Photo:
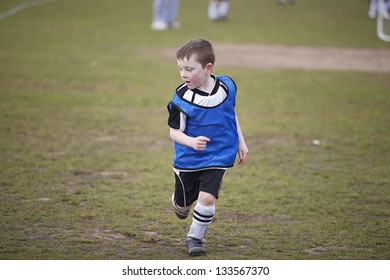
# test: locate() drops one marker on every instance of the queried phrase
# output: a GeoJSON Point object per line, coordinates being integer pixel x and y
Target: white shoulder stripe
{"type": "Point", "coordinates": [212, 100]}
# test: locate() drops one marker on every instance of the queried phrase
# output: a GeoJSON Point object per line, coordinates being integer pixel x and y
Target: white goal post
{"type": "Point", "coordinates": [383, 20]}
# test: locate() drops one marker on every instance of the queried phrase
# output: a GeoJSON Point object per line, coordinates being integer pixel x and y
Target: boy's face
{"type": "Point", "coordinates": [192, 73]}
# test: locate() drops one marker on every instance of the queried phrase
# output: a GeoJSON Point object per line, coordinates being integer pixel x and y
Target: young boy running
{"type": "Point", "coordinates": [207, 137]}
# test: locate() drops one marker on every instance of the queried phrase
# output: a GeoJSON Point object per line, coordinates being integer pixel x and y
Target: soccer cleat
{"type": "Point", "coordinates": [179, 213]}
{"type": "Point", "coordinates": [195, 247]}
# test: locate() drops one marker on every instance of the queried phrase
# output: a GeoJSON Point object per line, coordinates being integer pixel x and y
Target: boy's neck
{"type": "Point", "coordinates": [208, 86]}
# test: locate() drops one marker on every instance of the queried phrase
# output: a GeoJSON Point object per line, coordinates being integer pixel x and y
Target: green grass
{"type": "Point", "coordinates": [85, 157]}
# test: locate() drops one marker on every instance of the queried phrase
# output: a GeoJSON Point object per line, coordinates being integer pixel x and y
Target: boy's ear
{"type": "Point", "coordinates": [209, 68]}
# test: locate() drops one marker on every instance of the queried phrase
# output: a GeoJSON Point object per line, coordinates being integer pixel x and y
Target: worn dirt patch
{"type": "Point", "coordinates": [320, 250]}
{"type": "Point", "coordinates": [101, 174]}
{"type": "Point", "coordinates": [259, 56]}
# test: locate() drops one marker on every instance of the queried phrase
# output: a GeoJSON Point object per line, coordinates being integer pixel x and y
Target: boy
{"type": "Point", "coordinates": [207, 136]}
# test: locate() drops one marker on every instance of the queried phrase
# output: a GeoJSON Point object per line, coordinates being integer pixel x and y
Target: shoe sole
{"type": "Point", "coordinates": [181, 216]}
{"type": "Point", "coordinates": [196, 253]}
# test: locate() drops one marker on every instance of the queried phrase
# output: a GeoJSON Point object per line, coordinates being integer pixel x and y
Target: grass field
{"type": "Point", "coordinates": [85, 157]}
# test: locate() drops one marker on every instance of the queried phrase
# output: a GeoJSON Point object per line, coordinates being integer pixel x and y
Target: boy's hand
{"type": "Point", "coordinates": [200, 143]}
{"type": "Point", "coordinates": [242, 152]}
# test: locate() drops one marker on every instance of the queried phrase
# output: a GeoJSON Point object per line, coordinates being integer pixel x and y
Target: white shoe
{"type": "Point", "coordinates": [159, 25]}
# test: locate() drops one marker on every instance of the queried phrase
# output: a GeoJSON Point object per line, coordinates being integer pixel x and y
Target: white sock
{"type": "Point", "coordinates": [201, 219]}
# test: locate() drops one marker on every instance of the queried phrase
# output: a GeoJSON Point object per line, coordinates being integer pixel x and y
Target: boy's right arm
{"type": "Point", "coordinates": [197, 143]}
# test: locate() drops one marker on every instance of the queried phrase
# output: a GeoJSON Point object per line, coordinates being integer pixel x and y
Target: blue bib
{"type": "Point", "coordinates": [217, 123]}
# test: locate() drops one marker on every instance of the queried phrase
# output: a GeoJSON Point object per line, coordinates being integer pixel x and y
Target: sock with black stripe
{"type": "Point", "coordinates": [201, 219]}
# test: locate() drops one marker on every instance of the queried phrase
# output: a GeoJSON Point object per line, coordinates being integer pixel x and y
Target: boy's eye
{"type": "Point", "coordinates": [186, 69]}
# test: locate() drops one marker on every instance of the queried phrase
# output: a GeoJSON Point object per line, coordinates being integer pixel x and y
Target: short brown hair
{"type": "Point", "coordinates": [201, 48]}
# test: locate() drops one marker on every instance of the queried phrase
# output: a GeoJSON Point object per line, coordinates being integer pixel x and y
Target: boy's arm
{"type": "Point", "coordinates": [197, 143]}
{"type": "Point", "coordinates": [242, 148]}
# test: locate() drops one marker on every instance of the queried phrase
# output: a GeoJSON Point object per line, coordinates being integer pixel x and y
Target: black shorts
{"type": "Point", "coordinates": [188, 184]}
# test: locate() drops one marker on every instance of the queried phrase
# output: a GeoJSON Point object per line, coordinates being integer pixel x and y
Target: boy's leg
{"type": "Point", "coordinates": [203, 214]}
{"type": "Point", "coordinates": [181, 212]}
{"type": "Point", "coordinates": [204, 210]}
{"type": "Point", "coordinates": [186, 192]}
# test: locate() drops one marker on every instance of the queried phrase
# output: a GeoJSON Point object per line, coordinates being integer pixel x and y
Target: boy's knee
{"type": "Point", "coordinates": [206, 199]}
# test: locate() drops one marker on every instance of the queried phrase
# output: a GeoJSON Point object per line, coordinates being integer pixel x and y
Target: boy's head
{"type": "Point", "coordinates": [201, 49]}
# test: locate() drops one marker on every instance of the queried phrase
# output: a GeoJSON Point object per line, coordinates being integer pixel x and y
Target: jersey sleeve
{"type": "Point", "coordinates": [174, 116]}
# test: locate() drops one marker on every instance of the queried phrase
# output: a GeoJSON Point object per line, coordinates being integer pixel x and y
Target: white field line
{"type": "Point", "coordinates": [23, 6]}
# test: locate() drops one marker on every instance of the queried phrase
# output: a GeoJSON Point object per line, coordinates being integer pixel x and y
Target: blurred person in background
{"type": "Point", "coordinates": [164, 14]}
{"type": "Point", "coordinates": [382, 6]}
{"type": "Point", "coordinates": [218, 9]}
{"type": "Point", "coordinates": [373, 8]}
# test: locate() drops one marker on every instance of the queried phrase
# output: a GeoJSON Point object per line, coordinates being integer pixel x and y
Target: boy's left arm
{"type": "Point", "coordinates": [242, 147]}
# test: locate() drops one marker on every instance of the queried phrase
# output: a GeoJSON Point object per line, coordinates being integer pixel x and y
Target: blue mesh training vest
{"type": "Point", "coordinates": [217, 123]}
